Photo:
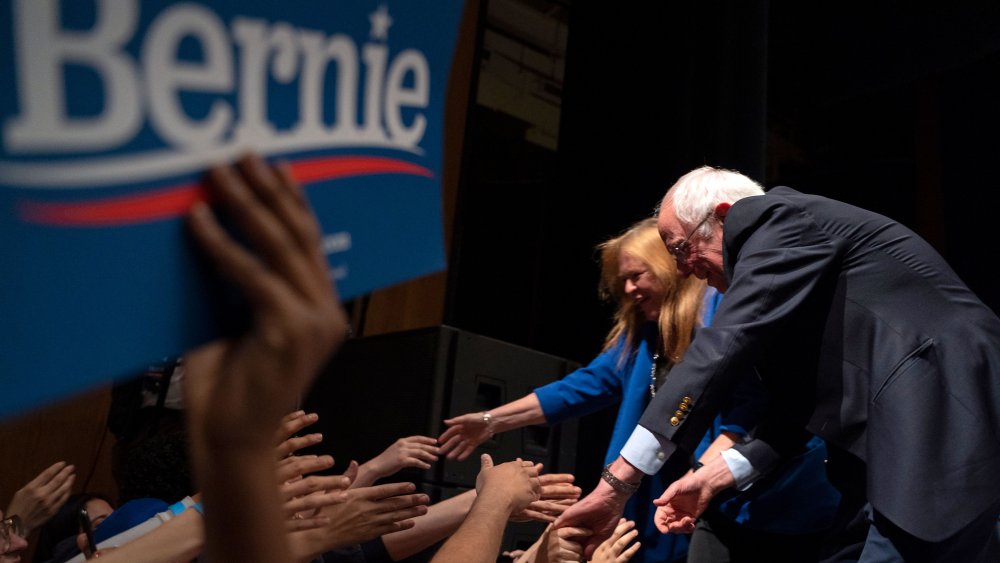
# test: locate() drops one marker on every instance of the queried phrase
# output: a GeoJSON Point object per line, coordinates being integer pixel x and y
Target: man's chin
{"type": "Point", "coordinates": [719, 284]}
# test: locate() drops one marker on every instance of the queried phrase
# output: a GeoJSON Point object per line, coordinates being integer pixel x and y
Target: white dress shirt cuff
{"type": "Point", "coordinates": [646, 452]}
{"type": "Point", "coordinates": [741, 469]}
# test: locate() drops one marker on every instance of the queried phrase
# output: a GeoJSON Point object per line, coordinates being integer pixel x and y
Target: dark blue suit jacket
{"type": "Point", "coordinates": [864, 336]}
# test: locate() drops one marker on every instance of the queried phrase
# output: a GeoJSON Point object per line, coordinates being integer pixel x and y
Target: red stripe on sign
{"type": "Point", "coordinates": [173, 201]}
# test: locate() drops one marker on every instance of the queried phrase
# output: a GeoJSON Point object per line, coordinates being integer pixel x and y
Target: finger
{"type": "Point", "coordinates": [352, 470]}
{"type": "Point", "coordinates": [559, 491]}
{"type": "Point", "coordinates": [535, 515]}
{"type": "Point", "coordinates": [402, 514]}
{"type": "Point", "coordinates": [449, 440]}
{"type": "Point", "coordinates": [315, 483]}
{"type": "Point", "coordinates": [293, 423]}
{"type": "Point", "coordinates": [306, 523]}
{"type": "Point", "coordinates": [485, 462]}
{"type": "Point", "coordinates": [572, 532]}
{"type": "Point", "coordinates": [426, 440]}
{"type": "Point", "coordinates": [402, 502]}
{"type": "Point", "coordinates": [621, 528]}
{"type": "Point", "coordinates": [259, 284]}
{"type": "Point", "coordinates": [276, 186]}
{"type": "Point", "coordinates": [466, 451]}
{"type": "Point", "coordinates": [270, 237]}
{"type": "Point", "coordinates": [48, 473]}
{"type": "Point", "coordinates": [284, 195]}
{"type": "Point", "coordinates": [548, 507]}
{"type": "Point", "coordinates": [62, 493]}
{"type": "Point", "coordinates": [628, 553]}
{"type": "Point", "coordinates": [557, 478]}
{"type": "Point", "coordinates": [385, 491]}
{"type": "Point", "coordinates": [314, 501]}
{"type": "Point", "coordinates": [623, 541]}
{"type": "Point", "coordinates": [54, 482]}
{"type": "Point", "coordinates": [295, 444]}
{"type": "Point", "coordinates": [424, 456]}
{"type": "Point", "coordinates": [303, 465]}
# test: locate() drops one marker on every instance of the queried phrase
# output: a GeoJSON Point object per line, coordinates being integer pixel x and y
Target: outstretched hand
{"type": "Point", "coordinates": [557, 494]}
{"type": "Point", "coordinates": [411, 451]}
{"type": "Point", "coordinates": [512, 485]}
{"type": "Point", "coordinates": [679, 507]}
{"type": "Point", "coordinates": [616, 549]}
{"type": "Point", "coordinates": [40, 498]}
{"type": "Point", "coordinates": [463, 435]}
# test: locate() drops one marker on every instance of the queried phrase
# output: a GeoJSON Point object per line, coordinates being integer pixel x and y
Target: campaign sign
{"type": "Point", "coordinates": [110, 113]}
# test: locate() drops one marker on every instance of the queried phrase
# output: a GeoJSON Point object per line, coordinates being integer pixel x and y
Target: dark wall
{"type": "Point", "coordinates": [893, 109]}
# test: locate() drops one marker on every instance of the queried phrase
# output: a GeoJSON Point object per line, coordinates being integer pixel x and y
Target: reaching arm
{"type": "Point", "coordinates": [441, 520]}
{"type": "Point", "coordinates": [412, 451]}
{"type": "Point", "coordinates": [501, 491]}
{"type": "Point", "coordinates": [467, 431]}
{"type": "Point", "coordinates": [40, 498]}
{"type": "Point", "coordinates": [601, 510]}
{"type": "Point", "coordinates": [237, 390]}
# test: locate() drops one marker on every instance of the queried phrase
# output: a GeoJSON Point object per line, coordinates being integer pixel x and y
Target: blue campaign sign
{"type": "Point", "coordinates": [113, 109]}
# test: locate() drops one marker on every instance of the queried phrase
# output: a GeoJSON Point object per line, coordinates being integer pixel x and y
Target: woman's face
{"type": "Point", "coordinates": [641, 286]}
{"type": "Point", "coordinates": [97, 510]}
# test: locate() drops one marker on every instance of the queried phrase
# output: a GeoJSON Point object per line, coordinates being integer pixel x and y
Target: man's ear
{"type": "Point", "coordinates": [721, 210]}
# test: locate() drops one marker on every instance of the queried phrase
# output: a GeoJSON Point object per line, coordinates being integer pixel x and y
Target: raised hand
{"type": "Point", "coordinates": [412, 451]}
{"type": "Point", "coordinates": [512, 485]}
{"type": "Point", "coordinates": [463, 435]}
{"type": "Point", "coordinates": [40, 498]}
{"type": "Point", "coordinates": [558, 545]}
{"type": "Point", "coordinates": [364, 514]}
{"type": "Point", "coordinates": [616, 549]}
{"type": "Point", "coordinates": [241, 387]}
{"type": "Point", "coordinates": [292, 424]}
{"type": "Point", "coordinates": [238, 389]}
{"type": "Point", "coordinates": [557, 494]}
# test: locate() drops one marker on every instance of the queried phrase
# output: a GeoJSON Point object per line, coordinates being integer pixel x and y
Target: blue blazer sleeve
{"type": "Point", "coordinates": [587, 389]}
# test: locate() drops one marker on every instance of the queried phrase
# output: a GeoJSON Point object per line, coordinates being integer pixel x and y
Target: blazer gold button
{"type": "Point", "coordinates": [679, 414]}
{"type": "Point", "coordinates": [674, 421]}
{"type": "Point", "coordinates": [685, 406]}
{"type": "Point", "coordinates": [686, 400]}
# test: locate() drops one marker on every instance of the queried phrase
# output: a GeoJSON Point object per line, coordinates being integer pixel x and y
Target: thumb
{"type": "Point", "coordinates": [485, 462]}
{"type": "Point", "coordinates": [352, 471]}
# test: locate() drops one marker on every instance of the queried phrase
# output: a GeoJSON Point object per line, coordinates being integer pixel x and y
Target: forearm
{"type": "Point", "coordinates": [478, 538]}
{"type": "Point", "coordinates": [522, 412]}
{"type": "Point", "coordinates": [441, 520]}
{"type": "Point", "coordinates": [179, 540]}
{"type": "Point", "coordinates": [242, 506]}
{"type": "Point", "coordinates": [723, 442]}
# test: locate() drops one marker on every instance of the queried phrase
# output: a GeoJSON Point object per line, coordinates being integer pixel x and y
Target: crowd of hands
{"type": "Point", "coordinates": [263, 500]}
{"type": "Point", "coordinates": [324, 512]}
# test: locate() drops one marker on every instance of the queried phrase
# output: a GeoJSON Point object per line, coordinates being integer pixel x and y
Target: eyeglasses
{"type": "Point", "coordinates": [682, 249]}
{"type": "Point", "coordinates": [10, 527]}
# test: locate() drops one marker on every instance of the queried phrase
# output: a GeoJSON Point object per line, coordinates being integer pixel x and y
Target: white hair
{"type": "Point", "coordinates": [696, 194]}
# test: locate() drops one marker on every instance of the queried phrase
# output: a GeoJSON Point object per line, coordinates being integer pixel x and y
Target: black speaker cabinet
{"type": "Point", "coordinates": [381, 388]}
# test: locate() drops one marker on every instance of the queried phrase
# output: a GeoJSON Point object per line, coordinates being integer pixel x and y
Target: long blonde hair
{"type": "Point", "coordinates": [682, 297]}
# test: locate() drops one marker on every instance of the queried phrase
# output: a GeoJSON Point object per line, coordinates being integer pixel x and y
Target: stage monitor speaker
{"type": "Point", "coordinates": [381, 388]}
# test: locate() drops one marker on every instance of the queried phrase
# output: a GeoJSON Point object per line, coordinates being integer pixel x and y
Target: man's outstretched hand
{"type": "Point", "coordinates": [679, 507]}
{"type": "Point", "coordinates": [601, 509]}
